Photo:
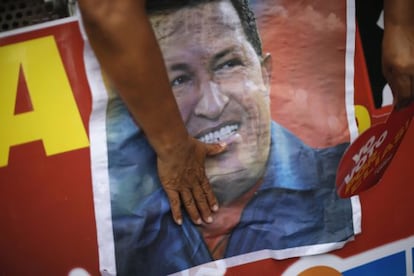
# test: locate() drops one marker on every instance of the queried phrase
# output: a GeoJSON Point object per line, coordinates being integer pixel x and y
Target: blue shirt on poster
{"type": "Point", "coordinates": [296, 205]}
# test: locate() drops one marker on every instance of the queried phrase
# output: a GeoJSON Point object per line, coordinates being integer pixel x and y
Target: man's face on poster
{"type": "Point", "coordinates": [222, 89]}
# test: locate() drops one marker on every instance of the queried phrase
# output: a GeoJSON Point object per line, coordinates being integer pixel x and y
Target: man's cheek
{"type": "Point", "coordinates": [186, 106]}
{"type": "Point", "coordinates": [233, 85]}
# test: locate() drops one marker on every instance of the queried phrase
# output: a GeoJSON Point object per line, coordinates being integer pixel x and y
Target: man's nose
{"type": "Point", "coordinates": [212, 101]}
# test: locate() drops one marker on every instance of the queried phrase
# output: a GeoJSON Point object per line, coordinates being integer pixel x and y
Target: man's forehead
{"type": "Point", "coordinates": [210, 17]}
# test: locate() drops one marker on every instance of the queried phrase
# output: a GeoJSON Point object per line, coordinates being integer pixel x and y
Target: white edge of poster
{"type": "Point", "coordinates": [349, 96]}
{"type": "Point", "coordinates": [99, 159]}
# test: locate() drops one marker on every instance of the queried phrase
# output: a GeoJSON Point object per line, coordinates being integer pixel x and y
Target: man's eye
{"type": "Point", "coordinates": [180, 80]}
{"type": "Point", "coordinates": [229, 64]}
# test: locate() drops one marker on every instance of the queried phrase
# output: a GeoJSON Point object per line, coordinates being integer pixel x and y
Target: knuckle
{"type": "Point", "coordinates": [201, 200]}
{"type": "Point", "coordinates": [174, 202]}
{"type": "Point", "coordinates": [205, 185]}
{"type": "Point", "coordinates": [401, 65]}
{"type": "Point", "coordinates": [188, 202]}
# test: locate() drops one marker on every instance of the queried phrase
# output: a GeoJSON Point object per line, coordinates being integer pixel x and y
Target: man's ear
{"type": "Point", "coordinates": [267, 69]}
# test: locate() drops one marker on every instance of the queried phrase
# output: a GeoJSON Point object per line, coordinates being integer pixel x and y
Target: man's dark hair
{"type": "Point", "coordinates": [246, 15]}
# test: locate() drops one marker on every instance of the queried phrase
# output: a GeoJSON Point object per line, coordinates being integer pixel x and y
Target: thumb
{"type": "Point", "coordinates": [214, 149]}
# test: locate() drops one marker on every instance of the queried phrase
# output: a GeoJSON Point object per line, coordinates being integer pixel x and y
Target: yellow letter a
{"type": "Point", "coordinates": [55, 117]}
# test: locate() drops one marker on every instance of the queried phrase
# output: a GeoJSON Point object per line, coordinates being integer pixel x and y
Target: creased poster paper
{"type": "Point", "coordinates": [276, 183]}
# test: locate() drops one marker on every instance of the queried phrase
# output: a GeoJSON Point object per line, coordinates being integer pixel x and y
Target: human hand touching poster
{"type": "Point", "coordinates": [124, 43]}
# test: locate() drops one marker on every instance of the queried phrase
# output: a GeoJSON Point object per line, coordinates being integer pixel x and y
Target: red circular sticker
{"type": "Point", "coordinates": [365, 161]}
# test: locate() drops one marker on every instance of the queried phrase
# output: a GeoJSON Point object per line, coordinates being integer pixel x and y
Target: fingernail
{"type": "Point", "coordinates": [198, 221]}
{"type": "Point", "coordinates": [179, 221]}
{"type": "Point", "coordinates": [209, 219]}
{"type": "Point", "coordinates": [215, 208]}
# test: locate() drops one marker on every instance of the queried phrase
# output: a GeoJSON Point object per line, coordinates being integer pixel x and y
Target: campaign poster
{"type": "Point", "coordinates": [273, 79]}
{"type": "Point", "coordinates": [47, 212]}
{"type": "Point", "coordinates": [63, 212]}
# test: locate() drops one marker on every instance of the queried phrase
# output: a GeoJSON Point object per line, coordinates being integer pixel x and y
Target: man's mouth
{"type": "Point", "coordinates": [219, 134]}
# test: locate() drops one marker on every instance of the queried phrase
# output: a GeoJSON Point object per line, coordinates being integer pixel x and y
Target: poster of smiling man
{"type": "Point", "coordinates": [269, 78]}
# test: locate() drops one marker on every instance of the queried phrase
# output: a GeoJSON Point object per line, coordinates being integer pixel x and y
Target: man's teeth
{"type": "Point", "coordinates": [219, 135]}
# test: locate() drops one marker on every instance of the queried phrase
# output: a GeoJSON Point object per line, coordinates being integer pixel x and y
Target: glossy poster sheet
{"type": "Point", "coordinates": [285, 109]}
